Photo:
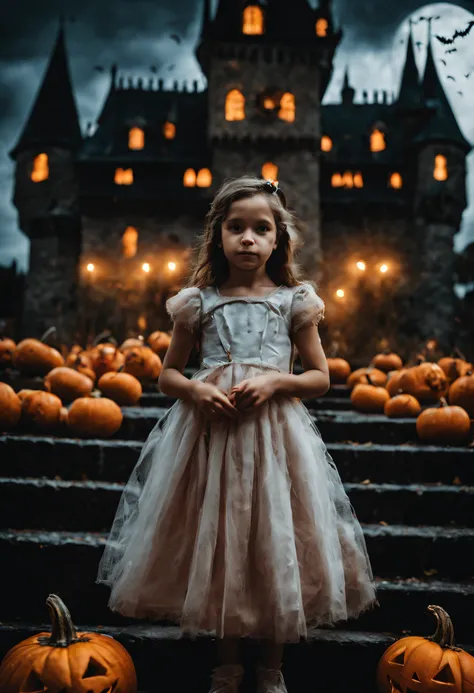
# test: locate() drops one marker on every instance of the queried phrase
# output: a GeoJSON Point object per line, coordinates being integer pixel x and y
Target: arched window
{"type": "Point", "coordinates": [440, 171]}
{"type": "Point", "coordinates": [235, 105]}
{"type": "Point", "coordinates": [204, 178]}
{"type": "Point", "coordinates": [326, 143]}
{"type": "Point", "coordinates": [377, 141]}
{"type": "Point", "coordinates": [252, 21]}
{"type": "Point", "coordinates": [169, 130]}
{"type": "Point", "coordinates": [270, 171]}
{"type": "Point", "coordinates": [129, 242]}
{"type": "Point", "coordinates": [322, 27]}
{"type": "Point", "coordinates": [336, 180]}
{"type": "Point", "coordinates": [123, 176]}
{"type": "Point", "coordinates": [395, 181]}
{"type": "Point", "coordinates": [347, 180]}
{"type": "Point", "coordinates": [287, 107]}
{"type": "Point", "coordinates": [40, 169]}
{"type": "Point", "coordinates": [189, 178]}
{"type": "Point", "coordinates": [358, 180]}
{"type": "Point", "coordinates": [136, 138]}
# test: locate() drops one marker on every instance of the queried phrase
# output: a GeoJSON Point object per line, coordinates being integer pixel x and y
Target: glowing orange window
{"type": "Point", "coordinates": [136, 138]}
{"type": "Point", "coordinates": [440, 171]}
{"type": "Point", "coordinates": [252, 21]}
{"type": "Point", "coordinates": [129, 242]}
{"type": "Point", "coordinates": [395, 181]}
{"type": "Point", "coordinates": [326, 143]}
{"type": "Point", "coordinates": [123, 176]}
{"type": "Point", "coordinates": [270, 171]}
{"type": "Point", "coordinates": [235, 105]}
{"type": "Point", "coordinates": [40, 168]}
{"type": "Point", "coordinates": [322, 27]}
{"type": "Point", "coordinates": [204, 178]}
{"type": "Point", "coordinates": [169, 130]}
{"type": "Point", "coordinates": [377, 141]}
{"type": "Point", "coordinates": [336, 180]}
{"type": "Point", "coordinates": [287, 107]}
{"type": "Point", "coordinates": [189, 178]}
{"type": "Point", "coordinates": [358, 180]}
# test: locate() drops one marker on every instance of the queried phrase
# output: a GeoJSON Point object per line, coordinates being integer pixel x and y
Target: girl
{"type": "Point", "coordinates": [235, 518]}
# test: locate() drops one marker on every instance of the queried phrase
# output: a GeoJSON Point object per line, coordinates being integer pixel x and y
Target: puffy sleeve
{"type": "Point", "coordinates": [306, 307]}
{"type": "Point", "coordinates": [185, 308]}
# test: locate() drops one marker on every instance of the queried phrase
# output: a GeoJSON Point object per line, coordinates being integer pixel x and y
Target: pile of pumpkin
{"type": "Point", "coordinates": [387, 386]}
{"type": "Point", "coordinates": [93, 382]}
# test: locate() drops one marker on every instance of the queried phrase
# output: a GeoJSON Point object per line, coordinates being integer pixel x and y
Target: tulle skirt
{"type": "Point", "coordinates": [239, 528]}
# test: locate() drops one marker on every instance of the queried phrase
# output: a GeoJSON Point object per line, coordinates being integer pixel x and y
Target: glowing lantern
{"type": "Point", "coordinates": [189, 178]}
{"type": "Point", "coordinates": [347, 180]}
{"type": "Point", "coordinates": [268, 103]}
{"type": "Point", "coordinates": [142, 322]}
{"type": "Point", "coordinates": [169, 130]}
{"type": "Point", "coordinates": [287, 107]}
{"type": "Point", "coordinates": [358, 180]}
{"type": "Point", "coordinates": [146, 267]}
{"type": "Point", "coordinates": [270, 171]}
{"type": "Point", "coordinates": [90, 267]}
{"type": "Point", "coordinates": [123, 176]}
{"type": "Point", "coordinates": [129, 242]}
{"type": "Point", "coordinates": [235, 105]}
{"type": "Point", "coordinates": [361, 266]}
{"type": "Point", "coordinates": [322, 27]}
{"type": "Point", "coordinates": [440, 171]}
{"type": "Point", "coordinates": [340, 293]}
{"type": "Point", "coordinates": [252, 23]}
{"type": "Point", "coordinates": [40, 168]}
{"type": "Point", "coordinates": [204, 178]}
{"type": "Point", "coordinates": [336, 180]}
{"type": "Point", "coordinates": [377, 141]}
{"type": "Point", "coordinates": [171, 266]}
{"type": "Point", "coordinates": [326, 143]}
{"type": "Point", "coordinates": [383, 268]}
{"type": "Point", "coordinates": [136, 138]}
{"type": "Point", "coordinates": [395, 181]}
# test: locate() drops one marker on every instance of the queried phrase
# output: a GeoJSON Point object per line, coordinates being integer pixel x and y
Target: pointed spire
{"type": "Point", "coordinates": [53, 119]}
{"type": "Point", "coordinates": [410, 94]}
{"type": "Point", "coordinates": [443, 124]}
{"type": "Point", "coordinates": [206, 17]}
{"type": "Point", "coordinates": [347, 92]}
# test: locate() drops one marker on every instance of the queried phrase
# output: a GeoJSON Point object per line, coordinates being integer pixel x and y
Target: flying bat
{"type": "Point", "coordinates": [444, 61]}
{"type": "Point", "coordinates": [171, 67]}
{"type": "Point", "coordinates": [452, 50]}
{"type": "Point", "coordinates": [467, 76]}
{"type": "Point", "coordinates": [153, 68]}
{"type": "Point", "coordinates": [457, 33]}
{"type": "Point", "coordinates": [99, 68]}
{"type": "Point", "coordinates": [460, 93]}
{"type": "Point", "coordinates": [175, 37]}
{"type": "Point", "coordinates": [450, 77]}
{"type": "Point", "coordinates": [419, 43]}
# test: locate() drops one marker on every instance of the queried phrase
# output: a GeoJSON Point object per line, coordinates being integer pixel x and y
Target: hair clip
{"type": "Point", "coordinates": [272, 185]}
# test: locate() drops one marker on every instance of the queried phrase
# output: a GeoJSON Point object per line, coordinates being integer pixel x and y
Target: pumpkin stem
{"type": "Point", "coordinates": [369, 379]}
{"type": "Point", "coordinates": [50, 331]}
{"type": "Point", "coordinates": [442, 402]}
{"type": "Point", "coordinates": [63, 632]}
{"type": "Point", "coordinates": [444, 634]}
{"type": "Point", "coordinates": [457, 352]}
{"type": "Point", "coordinates": [105, 336]}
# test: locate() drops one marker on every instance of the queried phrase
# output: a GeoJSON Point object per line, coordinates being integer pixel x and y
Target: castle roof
{"type": "Point", "coordinates": [410, 94]}
{"type": "Point", "coordinates": [53, 120]}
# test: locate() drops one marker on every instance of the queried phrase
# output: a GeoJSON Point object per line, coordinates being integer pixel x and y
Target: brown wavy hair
{"type": "Point", "coordinates": [210, 266]}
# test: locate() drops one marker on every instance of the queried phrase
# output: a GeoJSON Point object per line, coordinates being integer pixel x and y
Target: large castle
{"type": "Point", "coordinates": [380, 184]}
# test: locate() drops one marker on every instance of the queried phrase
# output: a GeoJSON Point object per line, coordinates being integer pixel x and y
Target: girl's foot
{"type": "Point", "coordinates": [270, 681]}
{"type": "Point", "coordinates": [227, 678]}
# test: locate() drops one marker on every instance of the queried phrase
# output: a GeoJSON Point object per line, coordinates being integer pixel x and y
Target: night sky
{"type": "Point", "coordinates": [136, 35]}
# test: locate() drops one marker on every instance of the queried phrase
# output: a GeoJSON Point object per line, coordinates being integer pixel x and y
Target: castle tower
{"type": "Point", "coordinates": [440, 202]}
{"type": "Point", "coordinates": [46, 198]}
{"type": "Point", "coordinates": [268, 66]}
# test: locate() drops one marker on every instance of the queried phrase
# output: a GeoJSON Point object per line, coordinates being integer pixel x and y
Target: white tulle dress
{"type": "Point", "coordinates": [243, 527]}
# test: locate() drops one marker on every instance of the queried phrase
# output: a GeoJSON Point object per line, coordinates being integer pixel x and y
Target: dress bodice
{"type": "Point", "coordinates": [247, 329]}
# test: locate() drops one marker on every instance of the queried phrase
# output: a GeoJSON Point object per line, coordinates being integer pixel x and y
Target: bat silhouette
{"type": "Point", "coordinates": [153, 68]}
{"type": "Point", "coordinates": [99, 68]}
{"type": "Point", "coordinates": [450, 77]}
{"type": "Point", "coordinates": [457, 33]}
{"type": "Point", "coordinates": [171, 67]}
{"type": "Point", "coordinates": [467, 76]}
{"type": "Point", "coordinates": [452, 50]}
{"type": "Point", "coordinates": [176, 38]}
{"type": "Point", "coordinates": [444, 61]}
{"type": "Point", "coordinates": [460, 93]}
{"type": "Point", "coordinates": [419, 43]}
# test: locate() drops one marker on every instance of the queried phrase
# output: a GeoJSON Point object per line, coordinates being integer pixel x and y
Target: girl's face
{"type": "Point", "coordinates": [249, 233]}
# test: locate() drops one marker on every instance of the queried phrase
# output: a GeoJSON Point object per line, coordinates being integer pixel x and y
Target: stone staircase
{"type": "Point", "coordinates": [415, 503]}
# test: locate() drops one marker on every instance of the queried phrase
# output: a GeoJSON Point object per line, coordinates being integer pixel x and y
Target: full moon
{"type": "Point", "coordinates": [376, 70]}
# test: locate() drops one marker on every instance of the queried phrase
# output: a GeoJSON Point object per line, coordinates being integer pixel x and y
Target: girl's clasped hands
{"type": "Point", "coordinates": [248, 395]}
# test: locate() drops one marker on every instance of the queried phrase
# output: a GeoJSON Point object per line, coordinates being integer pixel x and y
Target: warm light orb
{"type": "Point", "coordinates": [90, 267]}
{"type": "Point", "coordinates": [268, 103]}
{"type": "Point", "coordinates": [146, 267]}
{"type": "Point", "coordinates": [361, 266]}
{"type": "Point", "coordinates": [383, 268]}
{"type": "Point", "coordinates": [204, 178]}
{"type": "Point", "coordinates": [270, 171]}
{"type": "Point", "coordinates": [189, 178]}
{"type": "Point", "coordinates": [40, 168]}
{"type": "Point", "coordinates": [321, 27]}
{"type": "Point", "coordinates": [287, 107]}
{"type": "Point", "coordinates": [326, 143]}
{"type": "Point", "coordinates": [396, 181]}
{"type": "Point", "coordinates": [129, 242]}
{"type": "Point", "coordinates": [172, 266]}
{"type": "Point", "coordinates": [169, 130]}
{"type": "Point", "coordinates": [340, 293]}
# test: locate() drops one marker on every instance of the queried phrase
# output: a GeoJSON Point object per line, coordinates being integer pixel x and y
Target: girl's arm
{"type": "Point", "coordinates": [314, 382]}
{"type": "Point", "coordinates": [172, 382]}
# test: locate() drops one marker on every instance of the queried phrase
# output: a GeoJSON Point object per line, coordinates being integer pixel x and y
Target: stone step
{"type": "Point", "coordinates": [161, 655]}
{"type": "Point", "coordinates": [52, 504]}
{"type": "Point", "coordinates": [113, 460]}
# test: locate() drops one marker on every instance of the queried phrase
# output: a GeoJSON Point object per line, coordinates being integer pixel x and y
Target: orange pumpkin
{"type": "Point", "coordinates": [402, 406]}
{"type": "Point", "coordinates": [444, 424]}
{"type": "Point", "coordinates": [339, 370]}
{"type": "Point", "coordinates": [68, 384]}
{"type": "Point", "coordinates": [41, 410]}
{"type": "Point", "coordinates": [461, 393]}
{"type": "Point", "coordinates": [369, 398]}
{"type": "Point", "coordinates": [122, 388]}
{"type": "Point", "coordinates": [387, 361]}
{"type": "Point", "coordinates": [7, 348]}
{"type": "Point", "coordinates": [22, 394]}
{"type": "Point", "coordinates": [34, 357]}
{"type": "Point", "coordinates": [143, 363]}
{"type": "Point", "coordinates": [74, 352]}
{"type": "Point", "coordinates": [67, 661]}
{"type": "Point", "coordinates": [159, 341]}
{"type": "Point", "coordinates": [454, 368]}
{"type": "Point", "coordinates": [427, 665]}
{"type": "Point", "coordinates": [132, 342]}
{"type": "Point", "coordinates": [93, 417]}
{"type": "Point", "coordinates": [393, 381]}
{"type": "Point", "coordinates": [82, 365]}
{"type": "Point", "coordinates": [377, 376]}
{"type": "Point", "coordinates": [427, 382]}
{"type": "Point", "coordinates": [105, 358]}
{"type": "Point", "coordinates": [10, 407]}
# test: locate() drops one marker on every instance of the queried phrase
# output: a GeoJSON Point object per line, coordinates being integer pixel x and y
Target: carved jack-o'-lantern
{"type": "Point", "coordinates": [65, 661]}
{"type": "Point", "coordinates": [427, 665]}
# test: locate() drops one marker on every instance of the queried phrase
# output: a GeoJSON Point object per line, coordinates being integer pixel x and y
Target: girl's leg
{"type": "Point", "coordinates": [228, 650]}
{"type": "Point", "coordinates": [271, 654]}
{"type": "Point", "coordinates": [227, 677]}
{"type": "Point", "coordinates": [270, 678]}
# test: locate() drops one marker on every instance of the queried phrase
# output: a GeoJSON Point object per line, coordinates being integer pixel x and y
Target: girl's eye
{"type": "Point", "coordinates": [262, 228]}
